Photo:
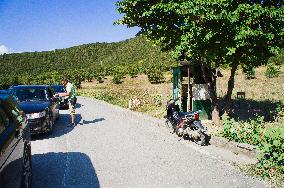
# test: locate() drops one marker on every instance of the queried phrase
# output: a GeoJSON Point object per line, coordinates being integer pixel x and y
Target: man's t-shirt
{"type": "Point", "coordinates": [70, 88]}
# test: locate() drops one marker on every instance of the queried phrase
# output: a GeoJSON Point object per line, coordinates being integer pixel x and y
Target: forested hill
{"type": "Point", "coordinates": [86, 60]}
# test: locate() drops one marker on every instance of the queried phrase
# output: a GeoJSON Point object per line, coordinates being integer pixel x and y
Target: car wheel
{"type": "Point", "coordinates": [27, 167]}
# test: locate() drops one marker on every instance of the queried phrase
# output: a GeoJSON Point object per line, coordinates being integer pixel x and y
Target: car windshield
{"type": "Point", "coordinates": [29, 94]}
{"type": "Point", "coordinates": [59, 89]}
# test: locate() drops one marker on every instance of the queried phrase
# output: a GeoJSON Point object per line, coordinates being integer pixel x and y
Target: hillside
{"type": "Point", "coordinates": [48, 66]}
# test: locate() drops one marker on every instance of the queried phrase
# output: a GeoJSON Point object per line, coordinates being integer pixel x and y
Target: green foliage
{"type": "Point", "coordinates": [274, 65]}
{"type": "Point", "coordinates": [118, 74]}
{"type": "Point", "coordinates": [81, 63]}
{"type": "Point", "coordinates": [249, 71]}
{"type": "Point", "coordinates": [277, 60]}
{"type": "Point", "coordinates": [155, 75]}
{"type": "Point", "coordinates": [270, 142]}
{"type": "Point", "coordinates": [279, 111]}
{"type": "Point", "coordinates": [249, 132]}
{"type": "Point", "coordinates": [215, 32]}
{"type": "Point", "coordinates": [272, 70]}
{"type": "Point", "coordinates": [89, 75]}
{"type": "Point", "coordinates": [134, 71]}
{"type": "Point", "coordinates": [271, 149]}
{"type": "Point", "coordinates": [99, 74]}
{"type": "Point", "coordinates": [99, 77]}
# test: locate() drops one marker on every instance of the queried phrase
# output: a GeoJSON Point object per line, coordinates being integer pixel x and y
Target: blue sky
{"type": "Point", "coordinates": [39, 25]}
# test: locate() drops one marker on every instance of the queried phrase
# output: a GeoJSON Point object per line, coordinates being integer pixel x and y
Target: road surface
{"type": "Point", "coordinates": [114, 147]}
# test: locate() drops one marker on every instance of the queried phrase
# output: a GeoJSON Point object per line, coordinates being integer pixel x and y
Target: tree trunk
{"type": "Point", "coordinates": [216, 115]}
{"type": "Point", "coordinates": [213, 96]}
{"type": "Point", "coordinates": [231, 82]}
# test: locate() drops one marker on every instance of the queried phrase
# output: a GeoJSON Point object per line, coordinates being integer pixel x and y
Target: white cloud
{"type": "Point", "coordinates": [4, 49]}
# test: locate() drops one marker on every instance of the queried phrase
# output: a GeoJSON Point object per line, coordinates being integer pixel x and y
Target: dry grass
{"type": "Point", "coordinates": [261, 92]}
{"type": "Point", "coordinates": [153, 97]}
{"type": "Point", "coordinates": [259, 89]}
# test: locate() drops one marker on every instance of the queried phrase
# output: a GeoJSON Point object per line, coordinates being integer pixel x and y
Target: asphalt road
{"type": "Point", "coordinates": [113, 147]}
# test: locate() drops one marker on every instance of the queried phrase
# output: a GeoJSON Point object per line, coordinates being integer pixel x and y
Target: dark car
{"type": "Point", "coordinates": [15, 147]}
{"type": "Point", "coordinates": [4, 91]}
{"type": "Point", "coordinates": [39, 104]}
{"type": "Point", "coordinates": [63, 101]}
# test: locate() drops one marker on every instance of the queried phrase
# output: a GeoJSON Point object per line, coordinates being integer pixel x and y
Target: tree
{"type": "Point", "coordinates": [214, 32]}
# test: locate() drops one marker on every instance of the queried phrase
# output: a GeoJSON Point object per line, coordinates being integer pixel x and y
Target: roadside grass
{"type": "Point", "coordinates": [152, 97]}
{"type": "Point", "coordinates": [275, 178]}
{"type": "Point", "coordinates": [262, 94]}
{"type": "Point", "coordinates": [258, 89]}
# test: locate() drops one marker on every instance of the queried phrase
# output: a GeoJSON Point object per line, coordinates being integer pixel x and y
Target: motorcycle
{"type": "Point", "coordinates": [187, 125]}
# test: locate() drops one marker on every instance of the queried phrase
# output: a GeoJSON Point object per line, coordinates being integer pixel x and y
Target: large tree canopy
{"type": "Point", "coordinates": [216, 32]}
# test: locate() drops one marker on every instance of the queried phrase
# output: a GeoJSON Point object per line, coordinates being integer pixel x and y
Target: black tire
{"type": "Point", "coordinates": [57, 118]}
{"type": "Point", "coordinates": [27, 167]}
{"type": "Point", "coordinates": [201, 140]}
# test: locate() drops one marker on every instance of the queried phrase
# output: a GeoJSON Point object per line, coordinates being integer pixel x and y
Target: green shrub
{"type": "Point", "coordinates": [118, 74]}
{"type": "Point", "coordinates": [271, 156]}
{"type": "Point", "coordinates": [272, 70]}
{"type": "Point", "coordinates": [133, 70]}
{"type": "Point", "coordinates": [270, 142]}
{"type": "Point", "coordinates": [99, 76]}
{"type": "Point", "coordinates": [155, 75]}
{"type": "Point", "coordinates": [249, 71]}
{"type": "Point", "coordinates": [249, 132]}
{"type": "Point", "coordinates": [277, 60]}
{"type": "Point", "coordinates": [89, 75]}
{"type": "Point", "coordinates": [117, 78]}
{"type": "Point", "coordinates": [279, 112]}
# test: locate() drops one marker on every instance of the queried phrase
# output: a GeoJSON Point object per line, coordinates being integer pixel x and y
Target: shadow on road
{"type": "Point", "coordinates": [78, 105]}
{"type": "Point", "coordinates": [93, 121]}
{"type": "Point", "coordinates": [60, 128]}
{"type": "Point", "coordinates": [72, 169]}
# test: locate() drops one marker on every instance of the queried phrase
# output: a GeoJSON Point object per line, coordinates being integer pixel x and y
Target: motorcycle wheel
{"type": "Point", "coordinates": [201, 140]}
{"type": "Point", "coordinates": [169, 126]}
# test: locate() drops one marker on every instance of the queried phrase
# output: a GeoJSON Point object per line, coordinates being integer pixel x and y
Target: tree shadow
{"type": "Point", "coordinates": [71, 169]}
{"type": "Point", "coordinates": [92, 121]}
{"type": "Point", "coordinates": [245, 109]}
{"type": "Point", "coordinates": [60, 127]}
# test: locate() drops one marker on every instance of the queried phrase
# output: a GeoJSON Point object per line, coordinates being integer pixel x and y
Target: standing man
{"type": "Point", "coordinates": [70, 92]}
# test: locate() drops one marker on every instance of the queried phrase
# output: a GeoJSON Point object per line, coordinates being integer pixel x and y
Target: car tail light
{"type": "Point", "coordinates": [196, 116]}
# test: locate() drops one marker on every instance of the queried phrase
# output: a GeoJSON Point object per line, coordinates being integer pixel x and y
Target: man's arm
{"type": "Point", "coordinates": [67, 93]}
{"type": "Point", "coordinates": [63, 94]}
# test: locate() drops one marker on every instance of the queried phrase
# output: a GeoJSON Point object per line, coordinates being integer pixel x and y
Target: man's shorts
{"type": "Point", "coordinates": [71, 106]}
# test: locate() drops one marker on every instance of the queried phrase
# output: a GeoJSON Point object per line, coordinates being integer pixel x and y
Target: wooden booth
{"type": "Point", "coordinates": [190, 90]}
